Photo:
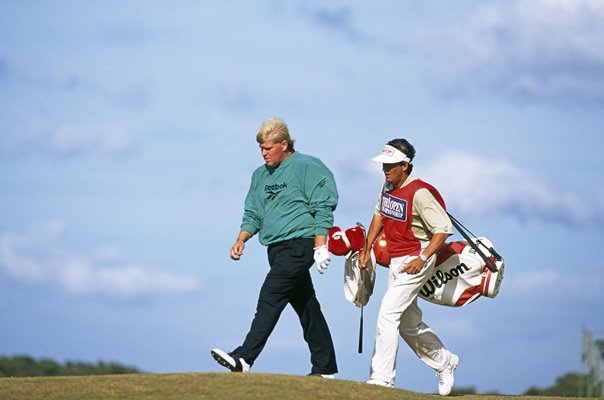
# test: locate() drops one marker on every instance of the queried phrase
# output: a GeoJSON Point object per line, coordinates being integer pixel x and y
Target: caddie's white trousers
{"type": "Point", "coordinates": [400, 315]}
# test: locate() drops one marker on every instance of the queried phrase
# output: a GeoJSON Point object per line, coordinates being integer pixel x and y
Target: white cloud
{"type": "Point", "coordinates": [122, 279]}
{"type": "Point", "coordinates": [553, 283]}
{"type": "Point", "coordinates": [109, 139]}
{"type": "Point", "coordinates": [476, 186]}
{"type": "Point", "coordinates": [488, 186]}
{"type": "Point", "coordinates": [39, 134]}
{"type": "Point", "coordinates": [526, 49]}
{"type": "Point", "coordinates": [540, 49]}
{"type": "Point", "coordinates": [37, 259]}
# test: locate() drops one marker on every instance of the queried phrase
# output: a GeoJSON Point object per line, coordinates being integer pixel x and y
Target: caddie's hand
{"type": "Point", "coordinates": [237, 249]}
{"type": "Point", "coordinates": [321, 257]}
{"type": "Point", "coordinates": [414, 266]}
{"type": "Point", "coordinates": [364, 256]}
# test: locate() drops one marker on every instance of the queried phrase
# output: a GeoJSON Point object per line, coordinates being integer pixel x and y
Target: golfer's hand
{"type": "Point", "coordinates": [321, 257]}
{"type": "Point", "coordinates": [413, 267]}
{"type": "Point", "coordinates": [237, 249]}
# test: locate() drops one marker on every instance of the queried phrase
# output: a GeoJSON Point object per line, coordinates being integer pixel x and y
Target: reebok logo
{"type": "Point", "coordinates": [273, 190]}
{"type": "Point", "coordinates": [276, 186]}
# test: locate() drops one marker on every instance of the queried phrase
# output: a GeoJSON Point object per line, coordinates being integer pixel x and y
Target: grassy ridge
{"type": "Point", "coordinates": [207, 386]}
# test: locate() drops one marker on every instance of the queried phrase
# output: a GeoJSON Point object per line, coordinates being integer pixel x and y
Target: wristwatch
{"type": "Point", "coordinates": [423, 257]}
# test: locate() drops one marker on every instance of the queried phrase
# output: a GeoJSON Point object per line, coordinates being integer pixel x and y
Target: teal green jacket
{"type": "Point", "coordinates": [294, 200]}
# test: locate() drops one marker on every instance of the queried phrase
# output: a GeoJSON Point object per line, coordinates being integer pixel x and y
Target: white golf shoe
{"type": "Point", "coordinates": [378, 382]}
{"type": "Point", "coordinates": [446, 377]}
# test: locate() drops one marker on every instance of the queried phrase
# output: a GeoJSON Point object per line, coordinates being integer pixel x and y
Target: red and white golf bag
{"type": "Point", "coordinates": [460, 275]}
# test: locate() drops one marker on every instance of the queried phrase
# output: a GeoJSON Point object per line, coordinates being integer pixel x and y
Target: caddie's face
{"type": "Point", "coordinates": [395, 173]}
{"type": "Point", "coordinates": [273, 153]}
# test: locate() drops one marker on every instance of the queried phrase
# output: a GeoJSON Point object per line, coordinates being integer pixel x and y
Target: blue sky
{"type": "Point", "coordinates": [127, 141]}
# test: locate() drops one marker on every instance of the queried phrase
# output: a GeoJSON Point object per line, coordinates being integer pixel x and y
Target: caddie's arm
{"type": "Point", "coordinates": [375, 228]}
{"type": "Point", "coordinates": [239, 246]}
{"type": "Point", "coordinates": [417, 264]}
{"type": "Point", "coordinates": [439, 224]}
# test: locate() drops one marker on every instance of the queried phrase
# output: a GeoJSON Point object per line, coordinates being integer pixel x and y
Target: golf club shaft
{"type": "Point", "coordinates": [361, 332]}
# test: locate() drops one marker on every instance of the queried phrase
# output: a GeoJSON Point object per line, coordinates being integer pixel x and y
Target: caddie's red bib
{"type": "Point", "coordinates": [396, 209]}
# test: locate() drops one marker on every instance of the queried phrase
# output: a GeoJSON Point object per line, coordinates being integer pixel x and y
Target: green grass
{"type": "Point", "coordinates": [206, 386]}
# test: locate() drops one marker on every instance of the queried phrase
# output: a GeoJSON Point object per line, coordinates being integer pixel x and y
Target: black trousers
{"type": "Point", "coordinates": [289, 281]}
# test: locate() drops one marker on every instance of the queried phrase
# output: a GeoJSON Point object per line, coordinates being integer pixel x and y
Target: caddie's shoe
{"type": "Point", "coordinates": [446, 377]}
{"type": "Point", "coordinates": [326, 376]}
{"type": "Point", "coordinates": [230, 361]}
{"type": "Point", "coordinates": [378, 382]}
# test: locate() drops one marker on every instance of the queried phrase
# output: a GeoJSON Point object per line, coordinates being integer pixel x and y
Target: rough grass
{"type": "Point", "coordinates": [207, 386]}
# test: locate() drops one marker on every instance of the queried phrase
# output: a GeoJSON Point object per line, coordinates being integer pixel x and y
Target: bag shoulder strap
{"type": "Point", "coordinates": [490, 263]}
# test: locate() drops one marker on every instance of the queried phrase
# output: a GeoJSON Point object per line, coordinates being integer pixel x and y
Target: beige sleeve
{"type": "Point", "coordinates": [377, 206]}
{"type": "Point", "coordinates": [379, 203]}
{"type": "Point", "coordinates": [428, 210]}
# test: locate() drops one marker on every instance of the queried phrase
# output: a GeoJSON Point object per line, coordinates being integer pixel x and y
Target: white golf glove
{"type": "Point", "coordinates": [322, 258]}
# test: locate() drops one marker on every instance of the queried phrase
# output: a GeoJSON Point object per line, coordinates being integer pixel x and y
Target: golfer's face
{"type": "Point", "coordinates": [273, 153]}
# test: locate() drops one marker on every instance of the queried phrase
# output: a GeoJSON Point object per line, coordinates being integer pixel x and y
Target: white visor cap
{"type": "Point", "coordinates": [391, 155]}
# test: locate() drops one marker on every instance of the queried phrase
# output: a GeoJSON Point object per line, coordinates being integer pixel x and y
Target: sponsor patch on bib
{"type": "Point", "coordinates": [393, 207]}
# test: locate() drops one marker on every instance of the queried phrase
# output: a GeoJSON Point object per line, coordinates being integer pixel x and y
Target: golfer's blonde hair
{"type": "Point", "coordinates": [275, 130]}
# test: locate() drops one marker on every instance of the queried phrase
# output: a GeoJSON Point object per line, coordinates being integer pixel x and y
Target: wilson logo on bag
{"type": "Point", "coordinates": [461, 275]}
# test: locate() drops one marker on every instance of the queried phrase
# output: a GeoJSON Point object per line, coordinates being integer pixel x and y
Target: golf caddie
{"type": "Point", "coordinates": [413, 217]}
{"type": "Point", "coordinates": [290, 206]}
